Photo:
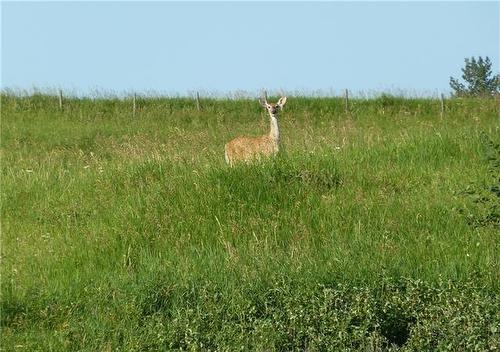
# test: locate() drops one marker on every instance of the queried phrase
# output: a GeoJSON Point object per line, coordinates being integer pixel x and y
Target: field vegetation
{"type": "Point", "coordinates": [374, 229]}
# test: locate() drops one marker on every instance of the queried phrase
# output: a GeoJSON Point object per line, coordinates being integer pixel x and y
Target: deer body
{"type": "Point", "coordinates": [246, 149]}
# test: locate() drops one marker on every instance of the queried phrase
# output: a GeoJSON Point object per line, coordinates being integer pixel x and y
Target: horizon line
{"type": "Point", "coordinates": [99, 92]}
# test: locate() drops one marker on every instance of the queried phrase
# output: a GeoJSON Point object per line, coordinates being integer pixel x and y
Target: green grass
{"type": "Point", "coordinates": [372, 230]}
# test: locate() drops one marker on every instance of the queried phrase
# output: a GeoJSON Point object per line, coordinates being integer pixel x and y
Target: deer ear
{"type": "Point", "coordinates": [262, 102]}
{"type": "Point", "coordinates": [282, 102]}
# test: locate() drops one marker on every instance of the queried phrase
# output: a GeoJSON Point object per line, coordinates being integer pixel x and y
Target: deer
{"type": "Point", "coordinates": [247, 149]}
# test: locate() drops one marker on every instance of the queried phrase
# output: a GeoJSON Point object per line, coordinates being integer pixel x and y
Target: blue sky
{"type": "Point", "coordinates": [222, 47]}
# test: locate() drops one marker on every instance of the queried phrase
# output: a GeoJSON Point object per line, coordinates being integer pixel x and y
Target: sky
{"type": "Point", "coordinates": [167, 47]}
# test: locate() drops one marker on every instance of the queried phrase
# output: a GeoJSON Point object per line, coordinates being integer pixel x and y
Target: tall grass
{"type": "Point", "coordinates": [124, 232]}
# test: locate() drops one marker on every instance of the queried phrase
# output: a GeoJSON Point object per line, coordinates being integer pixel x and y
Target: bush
{"type": "Point", "coordinates": [393, 315]}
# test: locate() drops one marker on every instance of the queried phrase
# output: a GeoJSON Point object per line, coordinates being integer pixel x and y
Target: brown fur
{"type": "Point", "coordinates": [247, 149]}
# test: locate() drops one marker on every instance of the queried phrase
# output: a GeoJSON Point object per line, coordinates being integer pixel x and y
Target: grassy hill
{"type": "Point", "coordinates": [374, 229]}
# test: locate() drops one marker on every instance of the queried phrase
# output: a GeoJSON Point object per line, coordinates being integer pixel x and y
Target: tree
{"type": "Point", "coordinates": [479, 79]}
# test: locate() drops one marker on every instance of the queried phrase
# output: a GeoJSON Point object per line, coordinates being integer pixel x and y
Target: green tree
{"type": "Point", "coordinates": [478, 77]}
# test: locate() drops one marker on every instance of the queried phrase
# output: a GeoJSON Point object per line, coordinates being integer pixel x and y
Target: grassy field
{"type": "Point", "coordinates": [372, 230]}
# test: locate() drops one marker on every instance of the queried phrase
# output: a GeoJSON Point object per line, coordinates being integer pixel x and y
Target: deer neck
{"type": "Point", "coordinates": [274, 133]}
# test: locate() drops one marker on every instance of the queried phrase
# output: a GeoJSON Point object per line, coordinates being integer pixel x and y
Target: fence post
{"type": "Point", "coordinates": [198, 106]}
{"type": "Point", "coordinates": [60, 99]}
{"type": "Point", "coordinates": [346, 101]}
{"type": "Point", "coordinates": [133, 104]}
{"type": "Point", "coordinates": [442, 104]}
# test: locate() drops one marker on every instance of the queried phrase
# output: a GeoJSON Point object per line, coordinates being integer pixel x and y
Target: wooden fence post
{"type": "Point", "coordinates": [133, 104]}
{"type": "Point", "coordinates": [346, 101]}
{"type": "Point", "coordinates": [442, 104]}
{"type": "Point", "coordinates": [198, 106]}
{"type": "Point", "coordinates": [60, 99]}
